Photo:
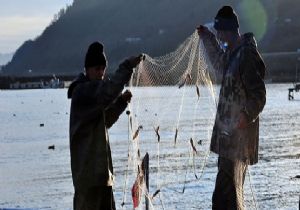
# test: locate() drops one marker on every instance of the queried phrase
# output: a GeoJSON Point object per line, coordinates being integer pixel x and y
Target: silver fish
{"type": "Point", "coordinates": [137, 132]}
{"type": "Point", "coordinates": [155, 194]}
{"type": "Point", "coordinates": [198, 91]}
{"type": "Point", "coordinates": [175, 138]}
{"type": "Point", "coordinates": [157, 133]}
{"type": "Point", "coordinates": [193, 146]}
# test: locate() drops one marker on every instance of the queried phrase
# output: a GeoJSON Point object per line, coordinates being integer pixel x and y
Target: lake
{"type": "Point", "coordinates": [32, 176]}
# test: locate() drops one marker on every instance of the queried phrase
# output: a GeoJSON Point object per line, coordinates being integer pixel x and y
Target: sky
{"type": "Point", "coordinates": [21, 20]}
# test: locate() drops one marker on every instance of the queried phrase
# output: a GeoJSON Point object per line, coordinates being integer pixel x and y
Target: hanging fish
{"type": "Point", "coordinates": [156, 193]}
{"type": "Point", "coordinates": [194, 152]}
{"type": "Point", "coordinates": [183, 189]}
{"type": "Point", "coordinates": [139, 155]}
{"type": "Point", "coordinates": [175, 138]}
{"type": "Point", "coordinates": [157, 133]}
{"type": "Point", "coordinates": [194, 166]}
{"type": "Point", "coordinates": [137, 132]}
{"type": "Point", "coordinates": [136, 190]}
{"type": "Point", "coordinates": [193, 146]}
{"type": "Point", "coordinates": [196, 176]}
{"type": "Point", "coordinates": [189, 77]}
{"type": "Point", "coordinates": [130, 120]}
{"type": "Point", "coordinates": [198, 92]}
{"type": "Point", "coordinates": [181, 83]}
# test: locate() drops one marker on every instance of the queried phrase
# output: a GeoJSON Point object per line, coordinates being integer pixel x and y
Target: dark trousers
{"type": "Point", "coordinates": [96, 198]}
{"type": "Point", "coordinates": [229, 192]}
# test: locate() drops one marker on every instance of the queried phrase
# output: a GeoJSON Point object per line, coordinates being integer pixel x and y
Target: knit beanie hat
{"type": "Point", "coordinates": [226, 19]}
{"type": "Point", "coordinates": [95, 56]}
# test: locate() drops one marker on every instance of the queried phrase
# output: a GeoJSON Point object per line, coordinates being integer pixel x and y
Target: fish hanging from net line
{"type": "Point", "coordinates": [171, 116]}
{"type": "Point", "coordinates": [165, 117]}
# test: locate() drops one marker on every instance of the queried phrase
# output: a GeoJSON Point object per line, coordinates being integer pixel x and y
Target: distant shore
{"type": "Point", "coordinates": [282, 67]}
{"type": "Point", "coordinates": [33, 82]}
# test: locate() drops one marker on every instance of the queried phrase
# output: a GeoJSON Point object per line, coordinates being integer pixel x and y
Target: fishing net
{"type": "Point", "coordinates": [170, 117]}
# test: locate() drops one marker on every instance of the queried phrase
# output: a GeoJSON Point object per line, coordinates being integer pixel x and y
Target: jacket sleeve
{"type": "Point", "coordinates": [91, 98]}
{"type": "Point", "coordinates": [107, 91]}
{"type": "Point", "coordinates": [113, 112]}
{"type": "Point", "coordinates": [252, 71]}
{"type": "Point", "coordinates": [216, 54]}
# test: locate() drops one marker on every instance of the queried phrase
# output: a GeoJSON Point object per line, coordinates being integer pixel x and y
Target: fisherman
{"type": "Point", "coordinates": [242, 98]}
{"type": "Point", "coordinates": [96, 105]}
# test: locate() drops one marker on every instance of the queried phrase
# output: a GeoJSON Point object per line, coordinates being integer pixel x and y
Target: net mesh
{"type": "Point", "coordinates": [170, 117]}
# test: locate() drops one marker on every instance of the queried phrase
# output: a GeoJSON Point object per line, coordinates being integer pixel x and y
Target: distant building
{"type": "Point", "coordinates": [53, 83]}
{"type": "Point", "coordinates": [26, 85]}
{"type": "Point", "coordinates": [133, 39]}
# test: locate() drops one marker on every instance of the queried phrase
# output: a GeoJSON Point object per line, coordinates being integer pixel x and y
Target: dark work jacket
{"type": "Point", "coordinates": [95, 106]}
{"type": "Point", "coordinates": [242, 90]}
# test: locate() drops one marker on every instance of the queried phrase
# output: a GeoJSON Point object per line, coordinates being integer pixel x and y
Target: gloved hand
{"type": "Point", "coordinates": [126, 96]}
{"type": "Point", "coordinates": [204, 31]}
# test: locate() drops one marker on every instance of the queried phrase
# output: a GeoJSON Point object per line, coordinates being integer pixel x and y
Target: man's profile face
{"type": "Point", "coordinates": [222, 36]}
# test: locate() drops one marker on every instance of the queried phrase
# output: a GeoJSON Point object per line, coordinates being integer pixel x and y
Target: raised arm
{"type": "Point", "coordinates": [113, 112]}
{"type": "Point", "coordinates": [107, 91]}
{"type": "Point", "coordinates": [216, 54]}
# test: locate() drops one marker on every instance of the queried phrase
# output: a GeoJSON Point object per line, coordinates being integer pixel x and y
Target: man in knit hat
{"type": "Point", "coordinates": [242, 98]}
{"type": "Point", "coordinates": [96, 105]}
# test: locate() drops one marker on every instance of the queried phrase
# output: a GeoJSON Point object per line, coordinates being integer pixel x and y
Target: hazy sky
{"type": "Point", "coordinates": [21, 20]}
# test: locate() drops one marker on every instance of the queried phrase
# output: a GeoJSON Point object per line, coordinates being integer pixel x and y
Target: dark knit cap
{"type": "Point", "coordinates": [226, 19]}
{"type": "Point", "coordinates": [95, 56]}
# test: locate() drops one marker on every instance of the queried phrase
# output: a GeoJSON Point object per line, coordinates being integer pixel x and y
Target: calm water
{"type": "Point", "coordinates": [31, 176]}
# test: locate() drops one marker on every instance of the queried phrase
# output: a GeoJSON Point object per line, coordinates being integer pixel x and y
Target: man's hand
{"type": "Point", "coordinates": [203, 31]}
{"type": "Point", "coordinates": [135, 60]}
{"type": "Point", "coordinates": [126, 96]}
{"type": "Point", "coordinates": [243, 121]}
